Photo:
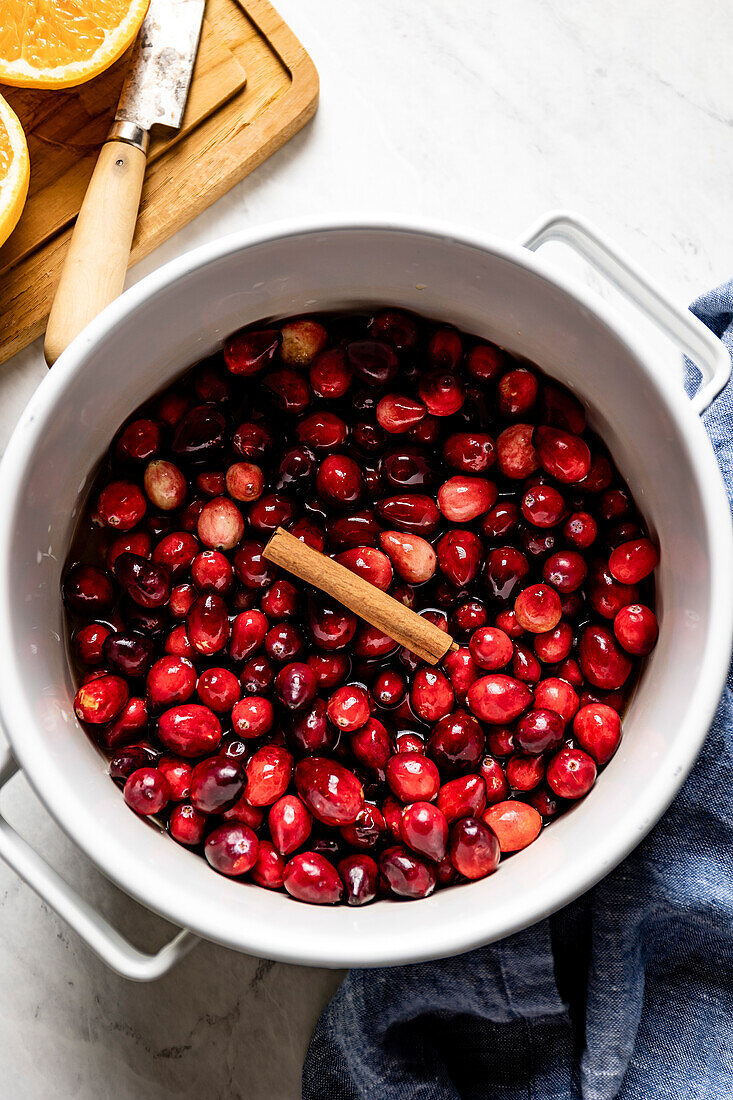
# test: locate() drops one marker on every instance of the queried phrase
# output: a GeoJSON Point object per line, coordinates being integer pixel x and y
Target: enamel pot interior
{"type": "Point", "coordinates": [179, 315]}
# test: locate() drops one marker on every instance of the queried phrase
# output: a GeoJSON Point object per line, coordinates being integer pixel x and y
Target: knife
{"type": "Point", "coordinates": [154, 94]}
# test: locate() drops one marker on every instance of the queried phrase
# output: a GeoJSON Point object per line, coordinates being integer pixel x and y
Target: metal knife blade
{"type": "Point", "coordinates": [156, 86]}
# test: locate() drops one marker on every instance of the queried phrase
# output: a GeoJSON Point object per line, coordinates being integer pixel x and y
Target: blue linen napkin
{"type": "Point", "coordinates": [627, 993]}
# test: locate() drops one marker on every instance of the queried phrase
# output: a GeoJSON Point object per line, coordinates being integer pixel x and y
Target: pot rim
{"type": "Point", "coordinates": [432, 939]}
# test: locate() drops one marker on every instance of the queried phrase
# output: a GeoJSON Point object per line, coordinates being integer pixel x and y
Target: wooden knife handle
{"type": "Point", "coordinates": [387, 614]}
{"type": "Point", "coordinates": [94, 269]}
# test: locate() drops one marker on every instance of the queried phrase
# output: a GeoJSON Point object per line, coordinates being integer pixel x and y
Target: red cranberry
{"type": "Point", "coordinates": [371, 746]}
{"type": "Point", "coordinates": [137, 542]}
{"type": "Point", "coordinates": [495, 781]}
{"type": "Point", "coordinates": [374, 361]}
{"type": "Point", "coordinates": [498, 699]}
{"type": "Point", "coordinates": [431, 695]}
{"type": "Point", "coordinates": [89, 643]}
{"type": "Point", "coordinates": [485, 362]}
{"type": "Point", "coordinates": [602, 661]}
{"type": "Point", "coordinates": [563, 455]}
{"type": "Point", "coordinates": [397, 328]}
{"type": "Point", "coordinates": [566, 570]}
{"type": "Point", "coordinates": [500, 520]}
{"type": "Point", "coordinates": [252, 440]}
{"type": "Point", "coordinates": [322, 431]}
{"type": "Point", "coordinates": [412, 777]}
{"type": "Point", "coordinates": [176, 551]}
{"type": "Point", "coordinates": [368, 828]}
{"type": "Point", "coordinates": [516, 392]}
{"type": "Point", "coordinates": [290, 388]}
{"type": "Point", "coordinates": [606, 595]}
{"type": "Point", "coordinates": [215, 784]}
{"type": "Point", "coordinates": [190, 730]}
{"type": "Point", "coordinates": [561, 410]}
{"type": "Point", "coordinates": [539, 730]}
{"type": "Point", "coordinates": [525, 666]}
{"type": "Point", "coordinates": [505, 570]}
{"type": "Point", "coordinates": [348, 707]}
{"type": "Point", "coordinates": [87, 590]}
{"type": "Point", "coordinates": [553, 646]}
{"type": "Point", "coordinates": [100, 700]}
{"type": "Point", "coordinates": [148, 585]}
{"type": "Point", "coordinates": [515, 824]}
{"type": "Point", "coordinates": [633, 561]}
{"type": "Point", "coordinates": [581, 530]}
{"type": "Point", "coordinates": [331, 626]}
{"type": "Point", "coordinates": [121, 505]}
{"type": "Point", "coordinates": [474, 848]}
{"type": "Point", "coordinates": [358, 529]}
{"type": "Point", "coordinates": [524, 772]}
{"type": "Point", "coordinates": [413, 557]}
{"type": "Point", "coordinates": [330, 377]}
{"type": "Point", "coordinates": [457, 742]}
{"type": "Point", "coordinates": [599, 476]}
{"type": "Point", "coordinates": [597, 728]}
{"type": "Point", "coordinates": [329, 668]}
{"type": "Point", "coordinates": [187, 825]}
{"type": "Point", "coordinates": [490, 648]}
{"type": "Point", "coordinates": [296, 685]}
{"type": "Point", "coordinates": [469, 452]}
{"type": "Point", "coordinates": [218, 688]}
{"type": "Point", "coordinates": [636, 628]}
{"type": "Point", "coordinates": [248, 634]}
{"type": "Point", "coordinates": [147, 791]}
{"type": "Point", "coordinates": [442, 392]}
{"type": "Point", "coordinates": [246, 353]}
{"type": "Point", "coordinates": [310, 877]}
{"type": "Point", "coordinates": [289, 823]}
{"type": "Point", "coordinates": [408, 876]}
{"type": "Point", "coordinates": [253, 717]}
{"type": "Point", "coordinates": [331, 792]}
{"type": "Point", "coordinates": [425, 830]}
{"type": "Point", "coordinates": [543, 506]}
{"type": "Point", "coordinates": [462, 797]}
{"type": "Point", "coordinates": [515, 454]}
{"type": "Point", "coordinates": [207, 625]}
{"type": "Point", "coordinates": [369, 563]}
{"type": "Point", "coordinates": [231, 849]}
{"type": "Point", "coordinates": [211, 483]}
{"type": "Point", "coordinates": [199, 433]}
{"type": "Point", "coordinates": [129, 759]}
{"type": "Point", "coordinates": [411, 512]}
{"type": "Point", "coordinates": [178, 645]}
{"type": "Point", "coordinates": [459, 556]}
{"type": "Point", "coordinates": [178, 773]}
{"type": "Point", "coordinates": [558, 695]}
{"type": "Point", "coordinates": [268, 775]}
{"type": "Point", "coordinates": [269, 867]}
{"type": "Point", "coordinates": [397, 413]}
{"type": "Point", "coordinates": [139, 440]}
{"type": "Point", "coordinates": [388, 689]}
{"type": "Point", "coordinates": [359, 874]}
{"type": "Point", "coordinates": [538, 608]}
{"type": "Point", "coordinates": [461, 671]}
{"type": "Point", "coordinates": [571, 773]}
{"type": "Point", "coordinates": [339, 479]}
{"type": "Point", "coordinates": [129, 654]}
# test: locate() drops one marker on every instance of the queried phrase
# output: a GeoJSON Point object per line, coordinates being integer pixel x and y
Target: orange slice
{"type": "Point", "coordinates": [60, 43]}
{"type": "Point", "coordinates": [14, 170]}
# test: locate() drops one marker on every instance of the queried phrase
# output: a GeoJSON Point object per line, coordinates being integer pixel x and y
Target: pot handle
{"type": "Point", "coordinates": [693, 337]}
{"type": "Point", "coordinates": [104, 940]}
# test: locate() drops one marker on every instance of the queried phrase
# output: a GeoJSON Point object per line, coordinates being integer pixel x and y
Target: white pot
{"type": "Point", "coordinates": [500, 291]}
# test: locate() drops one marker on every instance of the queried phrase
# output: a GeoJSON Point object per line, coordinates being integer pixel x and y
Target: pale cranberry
{"type": "Point", "coordinates": [220, 525]}
{"type": "Point", "coordinates": [207, 624]}
{"type": "Point", "coordinates": [474, 848]}
{"type": "Point", "coordinates": [538, 608]}
{"type": "Point", "coordinates": [178, 773]}
{"type": "Point", "coordinates": [302, 340]}
{"type": "Point", "coordinates": [218, 688]}
{"type": "Point", "coordinates": [296, 685]}
{"type": "Point", "coordinates": [374, 361]}
{"type": "Point", "coordinates": [442, 392]}
{"type": "Point", "coordinates": [516, 392]}
{"type": "Point", "coordinates": [543, 506]}
{"type": "Point", "coordinates": [268, 775]}
{"type": "Point", "coordinates": [602, 661]}
{"type": "Point", "coordinates": [190, 730]}
{"type": "Point", "coordinates": [289, 823]}
{"type": "Point", "coordinates": [571, 773]}
{"type": "Point", "coordinates": [187, 825]}
{"type": "Point", "coordinates": [330, 377]}
{"type": "Point", "coordinates": [215, 784]}
{"type": "Point", "coordinates": [632, 561]}
{"type": "Point", "coordinates": [147, 791]}
{"type": "Point", "coordinates": [490, 648]}
{"type": "Point", "coordinates": [165, 485]}
{"type": "Point", "coordinates": [332, 793]}
{"type": "Point", "coordinates": [514, 823]}
{"type": "Point", "coordinates": [246, 353]}
{"type": "Point", "coordinates": [310, 877]}
{"type": "Point", "coordinates": [457, 742]}
{"type": "Point", "coordinates": [580, 529]}
{"type": "Point", "coordinates": [412, 777]}
{"type": "Point", "coordinates": [431, 695]}
{"type": "Point", "coordinates": [562, 454]}
{"type": "Point", "coordinates": [407, 874]}
{"type": "Point", "coordinates": [360, 875]}
{"type": "Point", "coordinates": [539, 730]}
{"type": "Point", "coordinates": [637, 629]}
{"type": "Point", "coordinates": [248, 633]}
{"type": "Point", "coordinates": [597, 728]}
{"type": "Point", "coordinates": [397, 414]}
{"type": "Point", "coordinates": [558, 695]}
{"type": "Point", "coordinates": [498, 699]}
{"type": "Point", "coordinates": [524, 772]}
{"type": "Point", "coordinates": [413, 557]}
{"type": "Point", "coordinates": [121, 505]}
{"type": "Point", "coordinates": [231, 849]}
{"type": "Point", "coordinates": [101, 699]}
{"type": "Point", "coordinates": [369, 563]}
{"type": "Point", "coordinates": [566, 570]}
{"type": "Point", "coordinates": [244, 481]}
{"type": "Point", "coordinates": [505, 570]}
{"type": "Point", "coordinates": [459, 556]}
{"type": "Point", "coordinates": [462, 498]}
{"type": "Point", "coordinates": [515, 454]}
{"type": "Point", "coordinates": [348, 707]}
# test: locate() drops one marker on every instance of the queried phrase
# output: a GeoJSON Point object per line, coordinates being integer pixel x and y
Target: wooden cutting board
{"type": "Point", "coordinates": [253, 87]}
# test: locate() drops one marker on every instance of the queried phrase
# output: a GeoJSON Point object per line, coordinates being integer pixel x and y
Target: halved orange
{"type": "Point", "coordinates": [60, 43]}
{"type": "Point", "coordinates": [14, 170]}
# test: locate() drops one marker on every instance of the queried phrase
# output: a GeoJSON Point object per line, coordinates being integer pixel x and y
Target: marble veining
{"type": "Point", "coordinates": [486, 114]}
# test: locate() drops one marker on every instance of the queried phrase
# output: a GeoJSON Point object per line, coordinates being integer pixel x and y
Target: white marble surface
{"type": "Point", "coordinates": [484, 112]}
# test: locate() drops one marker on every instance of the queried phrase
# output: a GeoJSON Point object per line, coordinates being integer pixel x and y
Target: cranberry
{"type": "Point", "coordinates": [558, 695]}
{"type": "Point", "coordinates": [358, 529]}
{"type": "Point", "coordinates": [348, 707]}
{"type": "Point", "coordinates": [599, 476]}
{"type": "Point", "coordinates": [515, 454]}
{"type": "Point", "coordinates": [485, 362]}
{"type": "Point", "coordinates": [190, 730]}
{"type": "Point", "coordinates": [331, 626]}
{"type": "Point", "coordinates": [332, 793]}
{"type": "Point", "coordinates": [566, 570]}
{"type": "Point", "coordinates": [562, 454]}
{"type": "Point", "coordinates": [172, 407]}
{"type": "Point", "coordinates": [177, 643]}
{"type": "Point", "coordinates": [602, 662]}
{"type": "Point", "coordinates": [252, 440]}
{"type": "Point", "coordinates": [219, 689]}
{"type": "Point", "coordinates": [148, 585]}
{"type": "Point", "coordinates": [412, 777]}
{"type": "Point", "coordinates": [139, 440]}
{"type": "Point", "coordinates": [245, 481]}
{"type": "Point", "coordinates": [462, 797]}
{"type": "Point", "coordinates": [296, 685]}
{"type": "Point", "coordinates": [469, 452]}
{"type": "Point", "coordinates": [474, 848]}
{"type": "Point", "coordinates": [431, 695]}
{"type": "Point", "coordinates": [147, 791]}
{"type": "Point", "coordinates": [129, 654]}
{"type": "Point", "coordinates": [246, 353]}
{"type": "Point", "coordinates": [207, 625]}
{"type": "Point", "coordinates": [310, 877]}
{"type": "Point", "coordinates": [539, 730]}
{"type": "Point", "coordinates": [505, 570]}
{"type": "Point", "coordinates": [165, 485]}
{"type": "Point", "coordinates": [543, 506]}
{"type": "Point", "coordinates": [538, 608]}
{"type": "Point", "coordinates": [580, 529]}
{"type": "Point", "coordinates": [253, 717]}
{"type": "Point", "coordinates": [129, 759]}
{"type": "Point", "coordinates": [330, 377]}
{"type": "Point", "coordinates": [495, 781]}
{"type": "Point", "coordinates": [597, 729]}
{"type": "Point", "coordinates": [289, 823]}
{"type": "Point", "coordinates": [187, 825]}
{"type": "Point", "coordinates": [413, 557]}
{"type": "Point", "coordinates": [397, 328]}
{"type": "Point", "coordinates": [442, 392]}
{"type": "Point", "coordinates": [89, 643]}
{"type": "Point", "coordinates": [137, 542]}
{"type": "Point", "coordinates": [178, 773]}
{"type": "Point", "coordinates": [269, 867]}
{"type": "Point", "coordinates": [212, 572]}
{"type": "Point", "coordinates": [374, 361]}
{"type": "Point", "coordinates": [268, 775]}
{"type": "Point", "coordinates": [498, 698]}
{"type": "Point", "coordinates": [121, 505]}
{"type": "Point", "coordinates": [407, 468]}
{"type": "Point", "coordinates": [456, 743]}
{"type": "Point", "coordinates": [200, 432]}
{"type": "Point", "coordinates": [367, 829]}
{"type": "Point", "coordinates": [371, 746]}
{"type": "Point", "coordinates": [633, 561]}
{"type": "Point", "coordinates": [176, 551]}
{"type": "Point", "coordinates": [247, 634]}
{"type": "Point", "coordinates": [490, 648]}
{"type": "Point", "coordinates": [231, 849]}
{"type": "Point", "coordinates": [462, 498]}
{"type": "Point", "coordinates": [636, 628]}
{"type": "Point", "coordinates": [425, 830]}
{"type": "Point", "coordinates": [524, 772]}
{"type": "Point", "coordinates": [215, 784]}
{"type": "Point", "coordinates": [561, 410]}
{"type": "Point", "coordinates": [329, 668]}
{"type": "Point", "coordinates": [339, 479]}
{"type": "Point", "coordinates": [397, 414]}
{"type": "Point", "coordinates": [388, 689]}
{"type": "Point", "coordinates": [515, 824]}
{"type": "Point", "coordinates": [517, 392]}
{"type": "Point", "coordinates": [459, 556]}
{"type": "Point", "coordinates": [408, 876]}
{"type": "Point", "coordinates": [606, 595]}
{"type": "Point", "coordinates": [220, 525]}
{"type": "Point", "coordinates": [359, 874]}
{"type": "Point", "coordinates": [525, 666]}
{"type": "Point", "coordinates": [461, 671]}
{"type": "Point", "coordinates": [302, 340]}
{"type": "Point", "coordinates": [291, 390]}
{"type": "Point", "coordinates": [571, 773]}
{"type": "Point", "coordinates": [411, 512]}
{"type": "Point", "coordinates": [100, 700]}
{"type": "Point", "coordinates": [369, 563]}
